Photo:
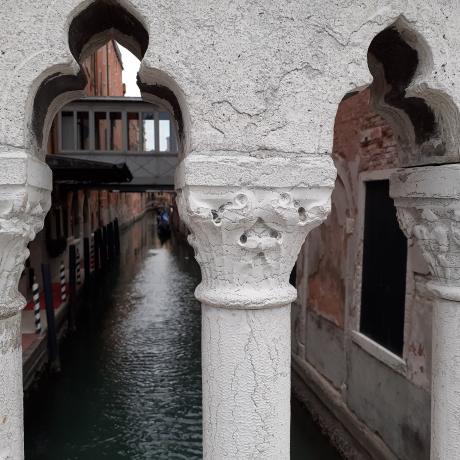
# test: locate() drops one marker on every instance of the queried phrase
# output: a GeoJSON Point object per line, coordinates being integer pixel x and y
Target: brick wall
{"type": "Point", "coordinates": [104, 71]}
{"type": "Point", "coordinates": [363, 141]}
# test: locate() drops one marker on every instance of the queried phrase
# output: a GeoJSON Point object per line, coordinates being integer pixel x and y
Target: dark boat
{"type": "Point", "coordinates": [163, 226]}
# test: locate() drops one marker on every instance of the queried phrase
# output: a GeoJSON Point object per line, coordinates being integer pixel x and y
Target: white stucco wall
{"type": "Point", "coordinates": [255, 76]}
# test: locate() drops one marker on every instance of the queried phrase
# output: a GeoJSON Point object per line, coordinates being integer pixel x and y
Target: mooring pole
{"type": "Point", "coordinates": [72, 284]}
{"type": "Point", "coordinates": [62, 282]}
{"type": "Point", "coordinates": [104, 246]}
{"type": "Point", "coordinates": [78, 266]}
{"type": "Point", "coordinates": [86, 259]}
{"type": "Point", "coordinates": [97, 250]}
{"type": "Point", "coordinates": [36, 298]}
{"type": "Point", "coordinates": [110, 241]}
{"type": "Point", "coordinates": [53, 349]}
{"type": "Point", "coordinates": [116, 229]}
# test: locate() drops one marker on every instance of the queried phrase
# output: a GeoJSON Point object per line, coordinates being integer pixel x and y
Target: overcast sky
{"type": "Point", "coordinates": [130, 68]}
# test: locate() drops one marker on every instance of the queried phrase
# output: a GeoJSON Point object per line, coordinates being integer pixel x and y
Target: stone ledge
{"type": "Point", "coordinates": [17, 167]}
{"type": "Point", "coordinates": [302, 171]}
{"type": "Point", "coordinates": [349, 435]}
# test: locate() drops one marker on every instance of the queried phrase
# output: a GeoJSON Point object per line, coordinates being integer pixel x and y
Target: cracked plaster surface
{"type": "Point", "coordinates": [254, 76]}
{"type": "Point", "coordinates": [246, 371]}
{"type": "Point", "coordinates": [11, 412]}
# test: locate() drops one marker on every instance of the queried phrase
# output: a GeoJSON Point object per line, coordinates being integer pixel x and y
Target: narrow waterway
{"type": "Point", "coordinates": [130, 386]}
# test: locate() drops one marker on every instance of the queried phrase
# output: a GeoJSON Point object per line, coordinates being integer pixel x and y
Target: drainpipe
{"type": "Point", "coordinates": [248, 219]}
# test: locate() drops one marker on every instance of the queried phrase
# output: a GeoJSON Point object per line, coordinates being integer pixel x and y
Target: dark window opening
{"type": "Point", "coordinates": [67, 131]}
{"type": "Point", "coordinates": [82, 131]}
{"type": "Point", "coordinates": [384, 270]}
{"type": "Point", "coordinates": [100, 124]}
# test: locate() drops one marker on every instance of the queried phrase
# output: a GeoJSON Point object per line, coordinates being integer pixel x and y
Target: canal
{"type": "Point", "coordinates": [130, 385]}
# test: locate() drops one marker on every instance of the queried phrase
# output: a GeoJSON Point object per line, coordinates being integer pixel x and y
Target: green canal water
{"type": "Point", "coordinates": [130, 385]}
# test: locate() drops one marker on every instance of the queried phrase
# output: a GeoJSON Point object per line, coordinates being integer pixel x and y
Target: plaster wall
{"type": "Point", "coordinates": [253, 76]}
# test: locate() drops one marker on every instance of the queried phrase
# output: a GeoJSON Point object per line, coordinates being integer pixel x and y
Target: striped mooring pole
{"type": "Point", "coordinates": [36, 297]}
{"type": "Point", "coordinates": [63, 284]}
{"type": "Point", "coordinates": [91, 253]}
{"type": "Point", "coordinates": [77, 262]}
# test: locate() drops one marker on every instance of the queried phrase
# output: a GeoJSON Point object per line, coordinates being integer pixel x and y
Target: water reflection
{"type": "Point", "coordinates": [130, 386]}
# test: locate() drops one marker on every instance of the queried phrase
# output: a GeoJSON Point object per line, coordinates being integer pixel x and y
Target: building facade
{"type": "Point", "coordinates": [362, 321]}
{"type": "Point", "coordinates": [77, 211]}
{"type": "Point", "coordinates": [254, 88]}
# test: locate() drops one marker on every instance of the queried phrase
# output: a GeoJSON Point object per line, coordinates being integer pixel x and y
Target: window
{"type": "Point", "coordinates": [148, 129]}
{"type": "Point", "coordinates": [165, 132]}
{"type": "Point", "coordinates": [67, 132]}
{"type": "Point", "coordinates": [133, 131]}
{"type": "Point", "coordinates": [383, 289]}
{"type": "Point", "coordinates": [100, 128]}
{"type": "Point", "coordinates": [82, 131]}
{"type": "Point", "coordinates": [116, 127]}
{"type": "Point", "coordinates": [116, 131]}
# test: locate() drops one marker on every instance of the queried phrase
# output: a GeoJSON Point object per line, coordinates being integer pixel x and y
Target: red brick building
{"type": "Point", "coordinates": [103, 71]}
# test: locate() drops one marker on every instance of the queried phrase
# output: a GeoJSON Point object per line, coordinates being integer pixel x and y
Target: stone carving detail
{"type": "Point", "coordinates": [437, 230]}
{"type": "Point", "coordinates": [428, 209]}
{"type": "Point", "coordinates": [20, 220]}
{"type": "Point", "coordinates": [247, 240]}
{"type": "Point", "coordinates": [23, 207]}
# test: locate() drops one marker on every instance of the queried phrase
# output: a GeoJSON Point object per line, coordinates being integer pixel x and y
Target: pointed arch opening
{"type": "Point", "coordinates": [89, 29]}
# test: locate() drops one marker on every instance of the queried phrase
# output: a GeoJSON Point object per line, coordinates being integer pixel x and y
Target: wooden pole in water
{"type": "Point", "coordinates": [36, 297]}
{"type": "Point", "coordinates": [72, 283]}
{"type": "Point", "coordinates": [104, 246]}
{"type": "Point", "coordinates": [92, 261]}
{"type": "Point", "coordinates": [116, 229]}
{"type": "Point", "coordinates": [53, 349]}
{"type": "Point", "coordinates": [78, 266]}
{"type": "Point", "coordinates": [87, 259]}
{"type": "Point", "coordinates": [97, 250]}
{"type": "Point", "coordinates": [62, 282]}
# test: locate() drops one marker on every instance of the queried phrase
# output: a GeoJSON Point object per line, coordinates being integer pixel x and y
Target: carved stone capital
{"type": "Point", "coordinates": [248, 218]}
{"type": "Point", "coordinates": [25, 185]}
{"type": "Point", "coordinates": [428, 208]}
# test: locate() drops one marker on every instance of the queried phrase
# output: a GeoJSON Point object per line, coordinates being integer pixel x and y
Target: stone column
{"type": "Point", "coordinates": [25, 185]}
{"type": "Point", "coordinates": [428, 203]}
{"type": "Point", "coordinates": [248, 219]}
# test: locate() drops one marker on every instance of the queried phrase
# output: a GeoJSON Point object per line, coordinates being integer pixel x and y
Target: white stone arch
{"type": "Point", "coordinates": [27, 186]}
{"type": "Point", "coordinates": [63, 82]}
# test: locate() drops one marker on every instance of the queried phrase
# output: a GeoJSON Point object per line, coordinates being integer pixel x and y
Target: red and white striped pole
{"type": "Point", "coordinates": [91, 253]}
{"type": "Point", "coordinates": [77, 263]}
{"type": "Point", "coordinates": [63, 283]}
{"type": "Point", "coordinates": [36, 298]}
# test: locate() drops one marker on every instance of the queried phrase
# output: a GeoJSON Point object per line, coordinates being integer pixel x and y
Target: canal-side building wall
{"type": "Point", "coordinates": [387, 393]}
{"type": "Point", "coordinates": [84, 211]}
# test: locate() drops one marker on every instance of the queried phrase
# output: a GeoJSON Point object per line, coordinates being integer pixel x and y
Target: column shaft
{"type": "Point", "coordinates": [246, 383]}
{"type": "Point", "coordinates": [445, 403]}
{"type": "Point", "coordinates": [11, 395]}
